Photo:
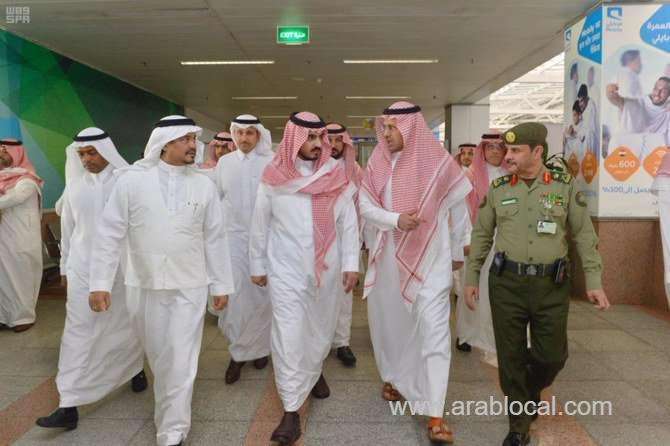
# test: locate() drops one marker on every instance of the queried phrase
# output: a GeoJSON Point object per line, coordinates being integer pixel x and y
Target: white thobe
{"type": "Point", "coordinates": [591, 124]}
{"type": "Point", "coordinates": [20, 253]}
{"type": "Point", "coordinates": [247, 319]}
{"type": "Point", "coordinates": [476, 327]}
{"type": "Point", "coordinates": [172, 218]}
{"type": "Point", "coordinates": [98, 351]}
{"type": "Point", "coordinates": [459, 275]}
{"type": "Point", "coordinates": [413, 348]}
{"type": "Point", "coordinates": [629, 83]}
{"type": "Point", "coordinates": [304, 315]}
{"type": "Point", "coordinates": [342, 336]}
{"type": "Point", "coordinates": [643, 126]}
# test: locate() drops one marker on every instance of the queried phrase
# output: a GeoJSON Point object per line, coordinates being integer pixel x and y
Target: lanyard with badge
{"type": "Point", "coordinates": [546, 224]}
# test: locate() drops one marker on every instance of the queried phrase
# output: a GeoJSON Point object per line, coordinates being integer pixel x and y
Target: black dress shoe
{"type": "Point", "coordinates": [346, 356]}
{"type": "Point", "coordinates": [233, 372]}
{"type": "Point", "coordinates": [464, 347]}
{"type": "Point", "coordinates": [321, 389]}
{"type": "Point", "coordinates": [64, 417]}
{"type": "Point", "coordinates": [516, 439]}
{"type": "Point", "coordinates": [139, 382]}
{"type": "Point", "coordinates": [261, 363]}
{"type": "Point", "coordinates": [288, 430]}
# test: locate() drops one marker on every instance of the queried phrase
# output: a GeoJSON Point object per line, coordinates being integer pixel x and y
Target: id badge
{"type": "Point", "coordinates": [546, 227]}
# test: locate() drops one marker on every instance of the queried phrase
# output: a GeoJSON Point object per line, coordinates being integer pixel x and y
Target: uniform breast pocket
{"type": "Point", "coordinates": [558, 212]}
{"type": "Point", "coordinates": [508, 211]}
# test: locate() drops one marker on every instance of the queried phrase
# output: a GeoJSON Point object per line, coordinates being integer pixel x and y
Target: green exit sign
{"type": "Point", "coordinates": [293, 35]}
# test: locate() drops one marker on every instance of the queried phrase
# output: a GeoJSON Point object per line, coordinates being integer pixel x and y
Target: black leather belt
{"type": "Point", "coordinates": [526, 269]}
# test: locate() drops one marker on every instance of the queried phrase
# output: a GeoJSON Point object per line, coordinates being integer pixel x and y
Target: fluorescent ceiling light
{"type": "Point", "coordinates": [361, 116]}
{"type": "Point", "coordinates": [389, 61]}
{"type": "Point", "coordinates": [227, 62]}
{"type": "Point", "coordinates": [262, 98]}
{"type": "Point", "coordinates": [355, 127]}
{"type": "Point", "coordinates": [275, 117]}
{"type": "Point", "coordinates": [377, 97]}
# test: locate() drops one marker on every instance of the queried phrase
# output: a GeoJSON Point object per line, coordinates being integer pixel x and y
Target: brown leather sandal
{"type": "Point", "coordinates": [439, 432]}
{"type": "Point", "coordinates": [389, 393]}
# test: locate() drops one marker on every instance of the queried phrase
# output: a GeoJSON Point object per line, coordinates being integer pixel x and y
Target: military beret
{"type": "Point", "coordinates": [530, 133]}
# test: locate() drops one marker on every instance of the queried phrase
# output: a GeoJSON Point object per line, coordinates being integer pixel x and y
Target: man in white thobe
{"type": "Point", "coordinates": [20, 237]}
{"type": "Point", "coordinates": [171, 216]}
{"type": "Point", "coordinates": [590, 117]}
{"type": "Point", "coordinates": [247, 319]}
{"type": "Point", "coordinates": [304, 242]}
{"type": "Point", "coordinates": [647, 115]}
{"type": "Point", "coordinates": [345, 154]}
{"type": "Point", "coordinates": [413, 191]}
{"type": "Point", "coordinates": [98, 351]}
{"type": "Point", "coordinates": [475, 328]}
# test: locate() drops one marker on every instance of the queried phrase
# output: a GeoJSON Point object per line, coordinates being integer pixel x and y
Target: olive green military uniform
{"type": "Point", "coordinates": [528, 295]}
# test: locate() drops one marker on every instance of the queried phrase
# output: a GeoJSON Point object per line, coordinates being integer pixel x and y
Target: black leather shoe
{"type": "Point", "coordinates": [346, 356]}
{"type": "Point", "coordinates": [233, 372]}
{"type": "Point", "coordinates": [464, 347]}
{"type": "Point", "coordinates": [321, 389]}
{"type": "Point", "coordinates": [63, 417]}
{"type": "Point", "coordinates": [516, 439]}
{"type": "Point", "coordinates": [261, 363]}
{"type": "Point", "coordinates": [139, 382]}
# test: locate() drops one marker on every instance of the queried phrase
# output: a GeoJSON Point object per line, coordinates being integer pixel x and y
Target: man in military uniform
{"type": "Point", "coordinates": [531, 209]}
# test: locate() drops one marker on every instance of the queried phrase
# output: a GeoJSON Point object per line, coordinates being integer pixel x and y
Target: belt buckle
{"type": "Point", "coordinates": [531, 270]}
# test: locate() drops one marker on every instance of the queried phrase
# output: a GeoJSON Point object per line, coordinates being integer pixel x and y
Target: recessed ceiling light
{"type": "Point", "coordinates": [262, 98]}
{"type": "Point", "coordinates": [389, 61]}
{"type": "Point", "coordinates": [377, 97]}
{"type": "Point", "coordinates": [227, 62]}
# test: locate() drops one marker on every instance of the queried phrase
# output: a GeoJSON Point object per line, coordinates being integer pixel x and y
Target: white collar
{"type": "Point", "coordinates": [170, 169]}
{"type": "Point", "coordinates": [241, 155]}
{"type": "Point", "coordinates": [305, 167]}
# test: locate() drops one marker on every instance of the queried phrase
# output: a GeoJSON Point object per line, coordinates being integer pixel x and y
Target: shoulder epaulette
{"type": "Point", "coordinates": [500, 181]}
{"type": "Point", "coordinates": [563, 177]}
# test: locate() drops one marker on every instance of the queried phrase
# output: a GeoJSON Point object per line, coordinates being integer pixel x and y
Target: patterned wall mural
{"type": "Point", "coordinates": [46, 98]}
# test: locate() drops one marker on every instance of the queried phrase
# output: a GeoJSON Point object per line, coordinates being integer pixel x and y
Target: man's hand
{"type": "Point", "coordinates": [455, 266]}
{"type": "Point", "coordinates": [598, 298]}
{"type": "Point", "coordinates": [471, 297]}
{"type": "Point", "coordinates": [349, 280]}
{"type": "Point", "coordinates": [220, 302]}
{"type": "Point", "coordinates": [466, 250]}
{"type": "Point", "coordinates": [99, 301]}
{"type": "Point", "coordinates": [260, 281]}
{"type": "Point", "coordinates": [63, 281]}
{"type": "Point", "coordinates": [612, 93]}
{"type": "Point", "coordinates": [408, 222]}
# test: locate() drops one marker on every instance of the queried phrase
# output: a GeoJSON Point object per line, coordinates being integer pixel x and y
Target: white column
{"type": "Point", "coordinates": [465, 123]}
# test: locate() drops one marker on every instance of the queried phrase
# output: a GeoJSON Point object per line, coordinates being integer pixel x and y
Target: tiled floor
{"type": "Point", "coordinates": [622, 356]}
